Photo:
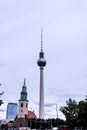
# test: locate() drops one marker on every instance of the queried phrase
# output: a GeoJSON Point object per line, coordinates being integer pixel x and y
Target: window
{"type": "Point", "coordinates": [21, 104]}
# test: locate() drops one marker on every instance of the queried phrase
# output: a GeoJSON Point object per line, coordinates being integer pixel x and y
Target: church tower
{"type": "Point", "coordinates": [41, 63]}
{"type": "Point", "coordinates": [23, 116]}
{"type": "Point", "coordinates": [23, 102]}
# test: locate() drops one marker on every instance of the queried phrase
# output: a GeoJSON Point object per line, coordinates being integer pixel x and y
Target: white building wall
{"type": "Point", "coordinates": [23, 109]}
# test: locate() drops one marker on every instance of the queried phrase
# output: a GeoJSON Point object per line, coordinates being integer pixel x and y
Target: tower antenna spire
{"type": "Point", "coordinates": [41, 39]}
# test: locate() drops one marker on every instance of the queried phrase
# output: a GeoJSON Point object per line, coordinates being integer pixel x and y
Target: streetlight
{"type": "Point", "coordinates": [57, 114]}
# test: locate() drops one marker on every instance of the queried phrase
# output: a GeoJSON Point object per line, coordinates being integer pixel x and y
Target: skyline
{"type": "Point", "coordinates": [64, 26]}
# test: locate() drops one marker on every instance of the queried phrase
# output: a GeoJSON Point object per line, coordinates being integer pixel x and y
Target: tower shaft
{"type": "Point", "coordinates": [41, 102]}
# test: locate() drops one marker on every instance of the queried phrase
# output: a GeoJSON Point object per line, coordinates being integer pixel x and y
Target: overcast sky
{"type": "Point", "coordinates": [64, 24]}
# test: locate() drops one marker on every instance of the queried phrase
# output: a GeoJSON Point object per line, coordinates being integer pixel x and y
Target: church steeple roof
{"type": "Point", "coordinates": [23, 96]}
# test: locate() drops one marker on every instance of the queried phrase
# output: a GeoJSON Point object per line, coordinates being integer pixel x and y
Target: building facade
{"type": "Point", "coordinates": [12, 111]}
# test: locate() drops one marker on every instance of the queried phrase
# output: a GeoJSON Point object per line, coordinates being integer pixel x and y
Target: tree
{"type": "Point", "coordinates": [71, 112]}
{"type": "Point", "coordinates": [75, 113]}
{"type": "Point", "coordinates": [82, 113]}
{"type": "Point", "coordinates": [4, 127]}
{"type": "Point", "coordinates": [1, 101]}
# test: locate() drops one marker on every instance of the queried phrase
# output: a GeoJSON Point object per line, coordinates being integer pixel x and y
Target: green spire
{"type": "Point", "coordinates": [24, 92]}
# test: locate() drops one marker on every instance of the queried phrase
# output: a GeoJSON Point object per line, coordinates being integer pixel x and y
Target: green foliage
{"type": "Point", "coordinates": [56, 122]}
{"type": "Point", "coordinates": [75, 113]}
{"type": "Point", "coordinates": [83, 113]}
{"type": "Point", "coordinates": [4, 126]}
{"type": "Point", "coordinates": [71, 112]}
{"type": "Point", "coordinates": [1, 101]}
{"type": "Point", "coordinates": [42, 124]}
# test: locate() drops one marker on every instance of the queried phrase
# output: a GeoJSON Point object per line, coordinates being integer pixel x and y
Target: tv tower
{"type": "Point", "coordinates": [41, 63]}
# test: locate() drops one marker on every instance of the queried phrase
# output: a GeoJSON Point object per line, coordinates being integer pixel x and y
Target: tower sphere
{"type": "Point", "coordinates": [41, 61]}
